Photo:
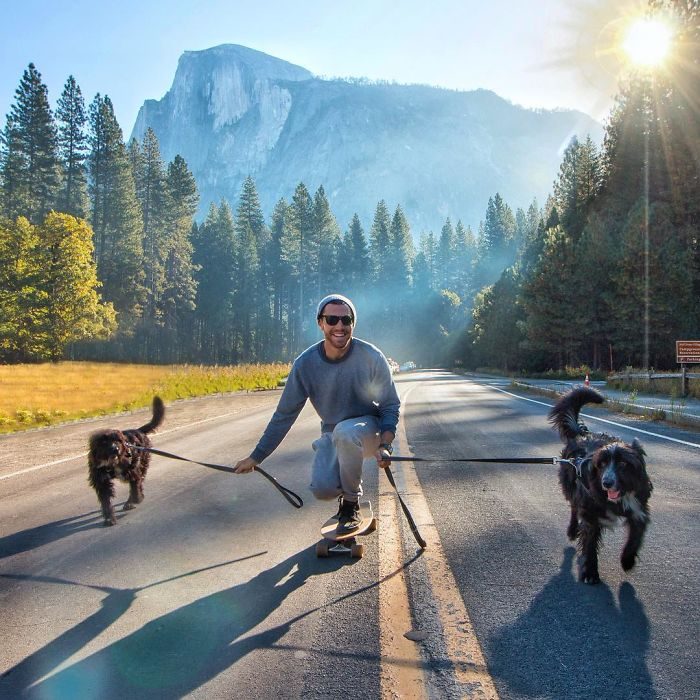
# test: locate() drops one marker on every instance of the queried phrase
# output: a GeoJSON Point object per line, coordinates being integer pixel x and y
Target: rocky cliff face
{"type": "Point", "coordinates": [233, 111]}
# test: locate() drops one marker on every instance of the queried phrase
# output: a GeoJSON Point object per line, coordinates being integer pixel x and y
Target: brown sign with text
{"type": "Point", "coordinates": [688, 351]}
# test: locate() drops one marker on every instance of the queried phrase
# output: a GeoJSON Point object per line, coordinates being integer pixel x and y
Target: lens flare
{"type": "Point", "coordinates": [647, 42]}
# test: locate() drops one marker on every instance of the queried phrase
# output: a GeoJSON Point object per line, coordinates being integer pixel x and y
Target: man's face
{"type": "Point", "coordinates": [338, 335]}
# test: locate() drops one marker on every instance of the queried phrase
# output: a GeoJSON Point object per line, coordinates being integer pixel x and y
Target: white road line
{"type": "Point", "coordinates": [604, 420]}
{"type": "Point", "coordinates": [83, 454]}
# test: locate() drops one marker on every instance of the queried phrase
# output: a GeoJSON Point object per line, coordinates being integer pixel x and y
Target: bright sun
{"type": "Point", "coordinates": [647, 42]}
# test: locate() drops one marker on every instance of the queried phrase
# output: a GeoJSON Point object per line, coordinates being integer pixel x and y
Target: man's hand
{"type": "Point", "coordinates": [245, 465]}
{"type": "Point", "coordinates": [382, 456]}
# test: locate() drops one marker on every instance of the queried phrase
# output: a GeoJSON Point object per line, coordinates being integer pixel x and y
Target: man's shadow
{"type": "Point", "coordinates": [173, 654]}
{"type": "Point", "coordinates": [575, 642]}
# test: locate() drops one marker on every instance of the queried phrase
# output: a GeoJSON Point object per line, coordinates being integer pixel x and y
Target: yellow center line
{"type": "Point", "coordinates": [462, 648]}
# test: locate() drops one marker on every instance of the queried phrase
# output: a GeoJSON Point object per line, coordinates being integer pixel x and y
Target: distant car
{"type": "Point", "coordinates": [407, 366]}
{"type": "Point", "coordinates": [393, 365]}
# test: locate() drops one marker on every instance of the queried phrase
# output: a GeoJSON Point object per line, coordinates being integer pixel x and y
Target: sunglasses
{"type": "Point", "coordinates": [332, 320]}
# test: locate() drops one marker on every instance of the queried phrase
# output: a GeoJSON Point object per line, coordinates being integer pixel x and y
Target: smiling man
{"type": "Point", "coordinates": [349, 383]}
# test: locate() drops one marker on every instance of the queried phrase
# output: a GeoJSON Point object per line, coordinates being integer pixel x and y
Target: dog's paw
{"type": "Point", "coordinates": [129, 506]}
{"type": "Point", "coordinates": [588, 574]}
{"type": "Point", "coordinates": [572, 531]}
{"type": "Point", "coordinates": [109, 523]}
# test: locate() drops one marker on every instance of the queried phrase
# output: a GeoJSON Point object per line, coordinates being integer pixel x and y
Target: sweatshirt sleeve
{"type": "Point", "coordinates": [288, 409]}
{"type": "Point", "coordinates": [389, 402]}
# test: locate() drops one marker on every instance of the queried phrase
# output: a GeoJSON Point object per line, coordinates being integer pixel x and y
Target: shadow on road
{"type": "Point", "coordinates": [34, 537]}
{"type": "Point", "coordinates": [575, 642]}
{"type": "Point", "coordinates": [173, 654]}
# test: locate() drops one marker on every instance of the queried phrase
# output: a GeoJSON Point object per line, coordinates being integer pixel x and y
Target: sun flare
{"type": "Point", "coordinates": [647, 42]}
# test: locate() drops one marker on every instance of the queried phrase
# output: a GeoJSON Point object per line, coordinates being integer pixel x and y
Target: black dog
{"type": "Point", "coordinates": [110, 458]}
{"type": "Point", "coordinates": [603, 478]}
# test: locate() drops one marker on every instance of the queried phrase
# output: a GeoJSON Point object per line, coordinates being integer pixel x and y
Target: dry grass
{"type": "Point", "coordinates": [35, 395]}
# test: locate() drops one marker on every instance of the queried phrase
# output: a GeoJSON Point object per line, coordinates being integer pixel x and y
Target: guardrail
{"type": "Point", "coordinates": [650, 376]}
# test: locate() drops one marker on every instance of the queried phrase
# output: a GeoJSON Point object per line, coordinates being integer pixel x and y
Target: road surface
{"type": "Point", "coordinates": [211, 588]}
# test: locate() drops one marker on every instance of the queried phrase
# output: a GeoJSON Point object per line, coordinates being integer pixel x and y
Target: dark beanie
{"type": "Point", "coordinates": [338, 299]}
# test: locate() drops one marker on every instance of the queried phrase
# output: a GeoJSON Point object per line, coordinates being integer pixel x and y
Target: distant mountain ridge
{"type": "Point", "coordinates": [233, 111]}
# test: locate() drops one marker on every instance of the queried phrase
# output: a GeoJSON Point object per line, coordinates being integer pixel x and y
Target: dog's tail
{"type": "Point", "coordinates": [158, 415]}
{"type": "Point", "coordinates": [564, 415]}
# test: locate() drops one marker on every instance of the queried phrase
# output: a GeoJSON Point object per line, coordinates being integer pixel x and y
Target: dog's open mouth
{"type": "Point", "coordinates": [613, 495]}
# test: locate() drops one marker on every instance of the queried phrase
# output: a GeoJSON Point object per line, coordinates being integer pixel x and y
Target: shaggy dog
{"type": "Point", "coordinates": [603, 479]}
{"type": "Point", "coordinates": [110, 457]}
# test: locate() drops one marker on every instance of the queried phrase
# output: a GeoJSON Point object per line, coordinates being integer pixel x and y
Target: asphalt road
{"type": "Point", "coordinates": [211, 588]}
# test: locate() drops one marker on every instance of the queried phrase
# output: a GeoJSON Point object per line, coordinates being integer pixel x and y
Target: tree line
{"type": "Point", "coordinates": [101, 256]}
{"type": "Point", "coordinates": [611, 276]}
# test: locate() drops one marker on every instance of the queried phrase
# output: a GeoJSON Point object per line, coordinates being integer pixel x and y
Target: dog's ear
{"type": "Point", "coordinates": [637, 447]}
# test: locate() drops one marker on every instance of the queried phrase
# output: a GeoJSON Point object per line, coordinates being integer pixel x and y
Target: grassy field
{"type": "Point", "coordinates": [45, 394]}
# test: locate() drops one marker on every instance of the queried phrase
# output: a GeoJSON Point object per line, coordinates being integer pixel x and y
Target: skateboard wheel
{"type": "Point", "coordinates": [372, 526]}
{"type": "Point", "coordinates": [357, 550]}
{"type": "Point", "coordinates": [322, 549]}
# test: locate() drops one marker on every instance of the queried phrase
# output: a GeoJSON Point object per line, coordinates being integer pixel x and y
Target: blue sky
{"type": "Point", "coordinates": [538, 53]}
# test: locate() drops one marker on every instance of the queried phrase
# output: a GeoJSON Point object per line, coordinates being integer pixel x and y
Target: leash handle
{"type": "Point", "coordinates": [293, 498]}
{"type": "Point", "coordinates": [412, 524]}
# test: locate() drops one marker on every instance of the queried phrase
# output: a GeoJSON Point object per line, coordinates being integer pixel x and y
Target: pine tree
{"type": "Point", "coordinates": [116, 216]}
{"type": "Point", "coordinates": [356, 263]}
{"type": "Point", "coordinates": [180, 288]}
{"type": "Point", "coordinates": [464, 259]}
{"type": "Point", "coordinates": [31, 172]}
{"type": "Point", "coordinates": [253, 233]}
{"type": "Point", "coordinates": [72, 150]}
{"type": "Point", "coordinates": [495, 248]}
{"type": "Point", "coordinates": [379, 240]}
{"type": "Point", "coordinates": [302, 223]}
{"type": "Point", "coordinates": [282, 256]}
{"type": "Point", "coordinates": [425, 274]}
{"type": "Point", "coordinates": [549, 299]}
{"type": "Point", "coordinates": [327, 233]}
{"type": "Point", "coordinates": [151, 191]}
{"type": "Point", "coordinates": [495, 333]}
{"type": "Point", "coordinates": [446, 252]}
{"type": "Point", "coordinates": [251, 305]}
{"type": "Point", "coordinates": [215, 258]}
{"type": "Point", "coordinates": [400, 254]}
{"type": "Point", "coordinates": [578, 184]}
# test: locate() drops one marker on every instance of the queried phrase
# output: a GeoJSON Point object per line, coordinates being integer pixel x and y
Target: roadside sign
{"type": "Point", "coordinates": [688, 351]}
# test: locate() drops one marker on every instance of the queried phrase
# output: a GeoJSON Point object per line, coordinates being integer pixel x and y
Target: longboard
{"type": "Point", "coordinates": [335, 542]}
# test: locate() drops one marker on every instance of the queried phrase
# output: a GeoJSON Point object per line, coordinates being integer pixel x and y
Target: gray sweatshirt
{"type": "Point", "coordinates": [359, 384]}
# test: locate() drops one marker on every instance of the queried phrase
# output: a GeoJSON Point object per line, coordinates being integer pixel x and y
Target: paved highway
{"type": "Point", "coordinates": [211, 588]}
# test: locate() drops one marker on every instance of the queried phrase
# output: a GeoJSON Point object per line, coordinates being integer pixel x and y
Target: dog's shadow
{"type": "Point", "coordinates": [171, 655]}
{"type": "Point", "coordinates": [574, 641]}
{"type": "Point", "coordinates": [35, 537]}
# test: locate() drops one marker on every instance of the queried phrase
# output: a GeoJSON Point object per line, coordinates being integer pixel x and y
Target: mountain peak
{"type": "Point", "coordinates": [259, 64]}
{"type": "Point", "coordinates": [233, 111]}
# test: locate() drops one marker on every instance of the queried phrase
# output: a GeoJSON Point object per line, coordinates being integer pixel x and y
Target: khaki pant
{"type": "Point", "coordinates": [337, 467]}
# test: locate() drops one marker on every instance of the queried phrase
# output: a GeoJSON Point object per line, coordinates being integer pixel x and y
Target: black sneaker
{"type": "Point", "coordinates": [349, 516]}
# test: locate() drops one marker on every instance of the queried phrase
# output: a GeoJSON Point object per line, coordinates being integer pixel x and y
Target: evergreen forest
{"type": "Point", "coordinates": [102, 256]}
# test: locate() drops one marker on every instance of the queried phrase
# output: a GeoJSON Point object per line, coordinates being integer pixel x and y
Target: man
{"type": "Point", "coordinates": [351, 387]}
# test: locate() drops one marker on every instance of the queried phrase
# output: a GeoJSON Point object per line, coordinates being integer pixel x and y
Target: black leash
{"type": "Point", "coordinates": [292, 497]}
{"type": "Point", "coordinates": [414, 529]}
{"type": "Point", "coordinates": [495, 460]}
{"type": "Point", "coordinates": [491, 460]}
